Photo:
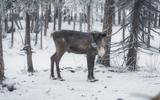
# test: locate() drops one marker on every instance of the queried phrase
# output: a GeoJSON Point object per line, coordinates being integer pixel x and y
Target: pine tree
{"type": "Point", "coordinates": [133, 39]}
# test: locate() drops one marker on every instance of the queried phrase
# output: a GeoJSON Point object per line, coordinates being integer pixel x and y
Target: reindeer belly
{"type": "Point", "coordinates": [78, 45]}
{"type": "Point", "coordinates": [77, 51]}
{"type": "Point", "coordinates": [80, 48]}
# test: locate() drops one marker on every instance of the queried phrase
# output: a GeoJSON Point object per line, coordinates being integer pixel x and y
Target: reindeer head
{"type": "Point", "coordinates": [98, 42]}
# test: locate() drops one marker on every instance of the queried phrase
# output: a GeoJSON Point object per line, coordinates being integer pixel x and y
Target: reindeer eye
{"type": "Point", "coordinates": [104, 35]}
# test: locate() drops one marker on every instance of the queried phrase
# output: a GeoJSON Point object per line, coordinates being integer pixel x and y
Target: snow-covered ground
{"type": "Point", "coordinates": [113, 84]}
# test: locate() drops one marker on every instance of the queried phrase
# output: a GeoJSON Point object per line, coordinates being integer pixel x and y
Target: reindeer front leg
{"type": "Point", "coordinates": [90, 65]}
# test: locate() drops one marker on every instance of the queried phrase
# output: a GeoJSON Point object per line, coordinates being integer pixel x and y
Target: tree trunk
{"type": "Point", "coordinates": [49, 13]}
{"type": "Point", "coordinates": [32, 18]}
{"type": "Point", "coordinates": [69, 18]}
{"type": "Point", "coordinates": [159, 21]}
{"type": "Point", "coordinates": [149, 26]}
{"type": "Point", "coordinates": [37, 30]}
{"type": "Point", "coordinates": [155, 18]}
{"type": "Point", "coordinates": [123, 23]}
{"type": "Point", "coordinates": [144, 22]}
{"type": "Point", "coordinates": [41, 38]}
{"type": "Point", "coordinates": [89, 17]}
{"type": "Point", "coordinates": [28, 44]}
{"type": "Point", "coordinates": [6, 24]}
{"type": "Point", "coordinates": [37, 25]}
{"type": "Point", "coordinates": [60, 15]}
{"type": "Point", "coordinates": [59, 20]}
{"type": "Point", "coordinates": [107, 28]}
{"type": "Point", "coordinates": [12, 27]}
{"type": "Point", "coordinates": [16, 18]}
{"type": "Point", "coordinates": [119, 17]}
{"type": "Point", "coordinates": [1, 53]}
{"type": "Point", "coordinates": [102, 12]}
{"type": "Point", "coordinates": [74, 22]}
{"type": "Point", "coordinates": [46, 22]}
{"type": "Point", "coordinates": [114, 17]}
{"type": "Point", "coordinates": [80, 21]}
{"type": "Point", "coordinates": [133, 41]}
{"type": "Point", "coordinates": [55, 17]}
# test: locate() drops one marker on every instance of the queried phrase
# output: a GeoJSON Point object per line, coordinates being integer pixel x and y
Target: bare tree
{"type": "Point", "coordinates": [74, 21]}
{"type": "Point", "coordinates": [80, 21]}
{"type": "Point", "coordinates": [37, 24]}
{"type": "Point", "coordinates": [2, 13]}
{"type": "Point", "coordinates": [1, 53]}
{"type": "Point", "coordinates": [55, 14]}
{"type": "Point", "coordinates": [60, 14]}
{"type": "Point", "coordinates": [89, 15]}
{"type": "Point", "coordinates": [107, 28]}
{"type": "Point", "coordinates": [28, 44]}
{"type": "Point", "coordinates": [41, 32]}
{"type": "Point", "coordinates": [46, 19]}
{"type": "Point", "coordinates": [119, 17]}
{"type": "Point", "coordinates": [12, 28]}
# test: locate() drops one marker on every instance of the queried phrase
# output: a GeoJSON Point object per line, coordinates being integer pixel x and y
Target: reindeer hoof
{"type": "Point", "coordinates": [61, 79]}
{"type": "Point", "coordinates": [92, 80]}
{"type": "Point", "coordinates": [53, 78]}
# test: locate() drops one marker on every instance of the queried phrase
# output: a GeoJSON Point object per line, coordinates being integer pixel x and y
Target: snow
{"type": "Point", "coordinates": [114, 83]}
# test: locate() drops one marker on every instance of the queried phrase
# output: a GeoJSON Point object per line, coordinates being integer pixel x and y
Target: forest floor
{"type": "Point", "coordinates": [114, 83]}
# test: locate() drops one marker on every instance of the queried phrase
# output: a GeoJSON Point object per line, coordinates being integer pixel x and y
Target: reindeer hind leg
{"type": "Point", "coordinates": [52, 66]}
{"type": "Point", "coordinates": [57, 60]}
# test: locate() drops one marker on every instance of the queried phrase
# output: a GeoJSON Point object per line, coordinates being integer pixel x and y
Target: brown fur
{"type": "Point", "coordinates": [79, 43]}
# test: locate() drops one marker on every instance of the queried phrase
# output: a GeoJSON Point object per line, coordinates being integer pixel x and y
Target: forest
{"type": "Point", "coordinates": [128, 70]}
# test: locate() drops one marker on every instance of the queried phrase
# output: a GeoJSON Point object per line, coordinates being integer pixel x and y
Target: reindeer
{"type": "Point", "coordinates": [91, 44]}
